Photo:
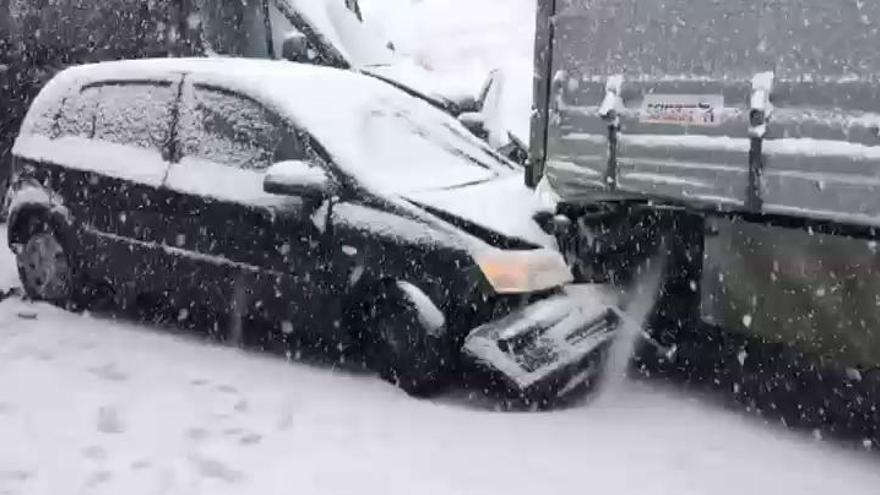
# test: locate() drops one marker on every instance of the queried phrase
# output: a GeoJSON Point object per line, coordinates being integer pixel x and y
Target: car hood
{"type": "Point", "coordinates": [499, 211]}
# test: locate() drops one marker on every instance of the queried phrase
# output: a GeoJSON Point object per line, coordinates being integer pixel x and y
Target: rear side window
{"type": "Point", "coordinates": [230, 129]}
{"type": "Point", "coordinates": [41, 118]}
{"type": "Point", "coordinates": [78, 114]}
{"type": "Point", "coordinates": [129, 113]}
{"type": "Point", "coordinates": [44, 111]}
{"type": "Point", "coordinates": [136, 114]}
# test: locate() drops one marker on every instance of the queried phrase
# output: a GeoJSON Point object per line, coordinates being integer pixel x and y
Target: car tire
{"type": "Point", "coordinates": [45, 265]}
{"type": "Point", "coordinates": [402, 349]}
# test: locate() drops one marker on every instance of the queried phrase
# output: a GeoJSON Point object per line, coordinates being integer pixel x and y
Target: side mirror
{"type": "Point", "coordinates": [295, 47]}
{"type": "Point", "coordinates": [298, 178]}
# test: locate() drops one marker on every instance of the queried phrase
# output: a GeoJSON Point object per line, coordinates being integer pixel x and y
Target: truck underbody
{"type": "Point", "coordinates": [778, 318]}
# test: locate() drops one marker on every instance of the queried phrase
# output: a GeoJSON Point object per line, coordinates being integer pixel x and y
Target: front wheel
{"type": "Point", "coordinates": [404, 347]}
{"type": "Point", "coordinates": [45, 267]}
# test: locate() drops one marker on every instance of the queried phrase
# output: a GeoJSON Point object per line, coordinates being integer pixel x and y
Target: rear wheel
{"type": "Point", "coordinates": [401, 348]}
{"type": "Point", "coordinates": [45, 266]}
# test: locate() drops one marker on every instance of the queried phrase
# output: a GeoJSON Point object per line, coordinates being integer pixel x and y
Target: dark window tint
{"type": "Point", "coordinates": [234, 130]}
{"type": "Point", "coordinates": [137, 114]}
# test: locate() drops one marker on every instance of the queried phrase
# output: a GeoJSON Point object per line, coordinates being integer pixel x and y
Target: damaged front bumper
{"type": "Point", "coordinates": [549, 347]}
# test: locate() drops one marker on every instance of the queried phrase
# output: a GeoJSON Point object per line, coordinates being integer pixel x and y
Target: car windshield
{"type": "Point", "coordinates": [340, 27]}
{"type": "Point", "coordinates": [401, 148]}
{"type": "Point", "coordinates": [409, 149]}
{"type": "Point", "coordinates": [374, 132]}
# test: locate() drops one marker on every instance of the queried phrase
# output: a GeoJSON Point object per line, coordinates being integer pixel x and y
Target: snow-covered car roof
{"type": "Point", "coordinates": [387, 139]}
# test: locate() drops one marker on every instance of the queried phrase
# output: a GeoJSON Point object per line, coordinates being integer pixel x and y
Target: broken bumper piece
{"type": "Point", "coordinates": [550, 347]}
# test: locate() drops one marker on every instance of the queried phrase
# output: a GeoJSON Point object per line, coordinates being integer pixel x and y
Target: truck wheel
{"type": "Point", "coordinates": [403, 350]}
{"type": "Point", "coordinates": [45, 267]}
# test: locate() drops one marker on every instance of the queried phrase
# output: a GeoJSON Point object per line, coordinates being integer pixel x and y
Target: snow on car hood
{"type": "Point", "coordinates": [503, 205]}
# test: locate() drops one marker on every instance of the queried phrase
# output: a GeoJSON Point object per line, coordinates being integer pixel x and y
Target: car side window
{"type": "Point", "coordinates": [135, 113]}
{"type": "Point", "coordinates": [78, 114]}
{"type": "Point", "coordinates": [42, 116]}
{"type": "Point", "coordinates": [130, 113]}
{"type": "Point", "coordinates": [234, 130]}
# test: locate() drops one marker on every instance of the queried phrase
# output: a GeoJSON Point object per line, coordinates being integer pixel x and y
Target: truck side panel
{"type": "Point", "coordinates": [759, 108]}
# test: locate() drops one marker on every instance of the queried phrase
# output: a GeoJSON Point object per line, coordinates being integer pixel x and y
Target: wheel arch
{"type": "Point", "coordinates": [369, 290]}
{"type": "Point", "coordinates": [34, 201]}
{"type": "Point", "coordinates": [411, 353]}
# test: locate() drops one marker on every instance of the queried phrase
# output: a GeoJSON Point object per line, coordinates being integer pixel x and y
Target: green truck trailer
{"type": "Point", "coordinates": [742, 140]}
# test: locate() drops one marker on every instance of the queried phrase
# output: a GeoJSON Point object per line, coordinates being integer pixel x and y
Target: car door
{"type": "Point", "coordinates": [109, 154]}
{"type": "Point", "coordinates": [253, 252]}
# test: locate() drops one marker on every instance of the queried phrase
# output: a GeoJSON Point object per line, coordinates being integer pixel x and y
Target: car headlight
{"type": "Point", "coordinates": [517, 272]}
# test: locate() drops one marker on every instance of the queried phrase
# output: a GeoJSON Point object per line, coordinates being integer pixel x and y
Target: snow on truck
{"type": "Point", "coordinates": [743, 140]}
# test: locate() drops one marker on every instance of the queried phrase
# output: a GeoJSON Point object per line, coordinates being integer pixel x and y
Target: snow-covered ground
{"type": "Point", "coordinates": [90, 405]}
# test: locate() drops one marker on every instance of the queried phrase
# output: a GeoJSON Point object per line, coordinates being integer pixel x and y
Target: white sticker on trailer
{"type": "Point", "coordinates": [700, 110]}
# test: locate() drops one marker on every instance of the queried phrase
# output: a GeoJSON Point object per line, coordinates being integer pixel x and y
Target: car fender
{"type": "Point", "coordinates": [430, 316]}
{"type": "Point", "coordinates": [421, 295]}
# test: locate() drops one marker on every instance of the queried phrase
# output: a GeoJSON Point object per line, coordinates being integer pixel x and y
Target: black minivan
{"type": "Point", "coordinates": [321, 203]}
